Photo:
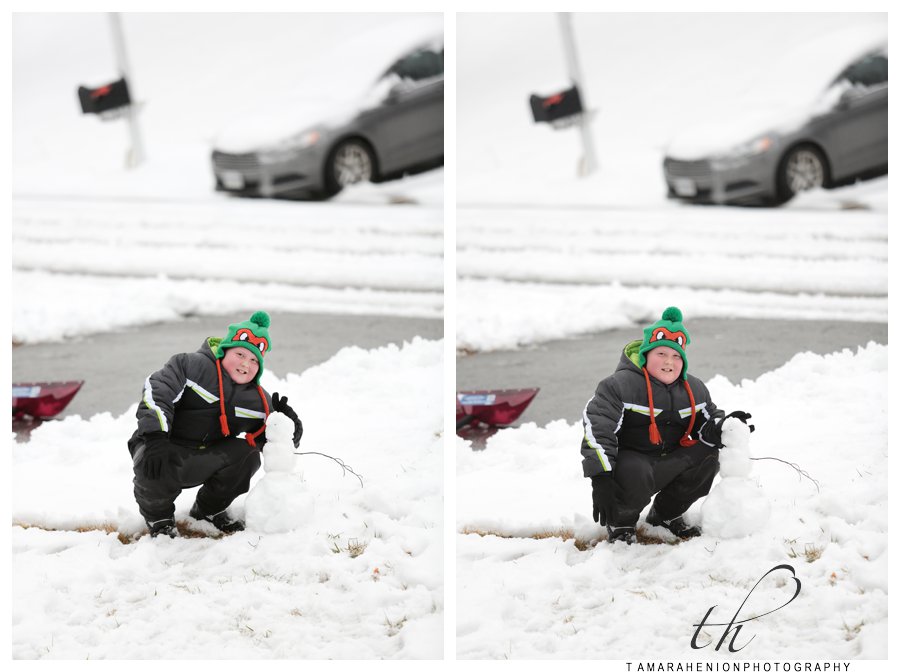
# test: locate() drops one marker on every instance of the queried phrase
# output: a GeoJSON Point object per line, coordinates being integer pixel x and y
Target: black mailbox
{"type": "Point", "coordinates": [556, 106]}
{"type": "Point", "coordinates": [104, 98]}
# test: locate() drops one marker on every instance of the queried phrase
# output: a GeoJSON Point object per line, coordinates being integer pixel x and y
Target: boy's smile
{"type": "Point", "coordinates": [241, 364]}
{"type": "Point", "coordinates": [664, 364]}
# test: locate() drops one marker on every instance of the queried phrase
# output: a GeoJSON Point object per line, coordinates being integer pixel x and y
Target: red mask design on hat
{"type": "Point", "coordinates": [663, 334]}
{"type": "Point", "coordinates": [245, 335]}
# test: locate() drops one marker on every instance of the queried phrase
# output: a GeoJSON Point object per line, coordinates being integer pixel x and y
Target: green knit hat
{"type": "Point", "coordinates": [669, 331]}
{"type": "Point", "coordinates": [252, 334]}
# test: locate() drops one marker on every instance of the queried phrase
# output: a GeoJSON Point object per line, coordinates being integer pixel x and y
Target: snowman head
{"type": "Point", "coordinates": [280, 430]}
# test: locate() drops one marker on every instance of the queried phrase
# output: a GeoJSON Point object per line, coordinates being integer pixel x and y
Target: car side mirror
{"type": "Point", "coordinates": [393, 94]}
{"type": "Point", "coordinates": [846, 99]}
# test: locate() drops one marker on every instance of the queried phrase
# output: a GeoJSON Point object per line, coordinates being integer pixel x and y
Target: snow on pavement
{"type": "Point", "coordinates": [530, 275]}
{"type": "Point", "coordinates": [528, 588]}
{"type": "Point", "coordinates": [187, 257]}
{"type": "Point", "coordinates": [362, 579]}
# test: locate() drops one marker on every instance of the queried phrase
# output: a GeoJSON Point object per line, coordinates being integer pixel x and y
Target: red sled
{"type": "Point", "coordinates": [43, 400]}
{"type": "Point", "coordinates": [494, 408]}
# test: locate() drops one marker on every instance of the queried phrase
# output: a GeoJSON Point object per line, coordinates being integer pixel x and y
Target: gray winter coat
{"type": "Point", "coordinates": [182, 400]}
{"type": "Point", "coordinates": [617, 417]}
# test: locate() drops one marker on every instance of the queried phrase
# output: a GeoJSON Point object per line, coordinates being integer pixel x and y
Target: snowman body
{"type": "Point", "coordinates": [736, 506]}
{"type": "Point", "coordinates": [279, 502]}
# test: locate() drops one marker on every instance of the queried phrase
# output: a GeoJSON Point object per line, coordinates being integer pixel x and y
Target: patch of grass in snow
{"type": "Point", "coordinates": [184, 529]}
{"type": "Point", "coordinates": [565, 534]}
{"type": "Point", "coordinates": [561, 533]}
{"type": "Point", "coordinates": [851, 631]}
{"type": "Point", "coordinates": [284, 578]}
{"type": "Point", "coordinates": [393, 627]}
{"type": "Point", "coordinates": [107, 528]}
{"type": "Point", "coordinates": [810, 552]}
{"type": "Point", "coordinates": [354, 547]}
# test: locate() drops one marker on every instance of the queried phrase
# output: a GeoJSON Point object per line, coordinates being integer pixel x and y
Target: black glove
{"type": "Point", "coordinates": [280, 405]}
{"type": "Point", "coordinates": [158, 456]}
{"type": "Point", "coordinates": [605, 493]}
{"type": "Point", "coordinates": [712, 430]}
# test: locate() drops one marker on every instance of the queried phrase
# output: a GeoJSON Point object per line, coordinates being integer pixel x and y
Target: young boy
{"type": "Point", "coordinates": [189, 421]}
{"type": "Point", "coordinates": [651, 428]}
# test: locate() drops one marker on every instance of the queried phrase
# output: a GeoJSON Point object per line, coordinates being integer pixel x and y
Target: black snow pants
{"type": "Point", "coordinates": [678, 479]}
{"type": "Point", "coordinates": [223, 468]}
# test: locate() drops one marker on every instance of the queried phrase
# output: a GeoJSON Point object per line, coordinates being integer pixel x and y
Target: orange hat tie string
{"type": "Point", "coordinates": [686, 440]}
{"type": "Point", "coordinates": [655, 437]}
{"type": "Point", "coordinates": [251, 438]}
{"type": "Point", "coordinates": [223, 420]}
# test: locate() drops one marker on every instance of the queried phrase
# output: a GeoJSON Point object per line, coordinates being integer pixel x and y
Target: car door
{"type": "Point", "coordinates": [857, 128]}
{"type": "Point", "coordinates": [408, 126]}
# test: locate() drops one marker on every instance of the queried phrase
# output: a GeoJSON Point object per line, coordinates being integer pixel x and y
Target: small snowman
{"type": "Point", "coordinates": [279, 502]}
{"type": "Point", "coordinates": [735, 507]}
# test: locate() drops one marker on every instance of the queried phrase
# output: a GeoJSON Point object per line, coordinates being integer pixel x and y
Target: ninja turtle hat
{"type": "Point", "coordinates": [252, 334]}
{"type": "Point", "coordinates": [668, 331]}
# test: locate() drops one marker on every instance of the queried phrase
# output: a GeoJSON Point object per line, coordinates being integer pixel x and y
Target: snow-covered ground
{"type": "Point", "coordinates": [362, 578]}
{"type": "Point", "coordinates": [535, 587]}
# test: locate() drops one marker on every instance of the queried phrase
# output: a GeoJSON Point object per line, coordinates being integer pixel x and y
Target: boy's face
{"type": "Point", "coordinates": [664, 364]}
{"type": "Point", "coordinates": [241, 364]}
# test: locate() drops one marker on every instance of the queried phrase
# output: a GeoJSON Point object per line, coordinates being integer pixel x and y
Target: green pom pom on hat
{"type": "Point", "coordinates": [668, 331]}
{"type": "Point", "coordinates": [252, 334]}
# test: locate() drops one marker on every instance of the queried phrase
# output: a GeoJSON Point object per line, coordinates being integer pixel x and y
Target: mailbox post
{"type": "Point", "coordinates": [113, 100]}
{"type": "Point", "coordinates": [587, 140]}
{"type": "Point", "coordinates": [564, 109]}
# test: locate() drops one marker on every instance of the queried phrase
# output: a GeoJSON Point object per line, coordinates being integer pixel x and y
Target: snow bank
{"type": "Point", "coordinates": [538, 594]}
{"type": "Point", "coordinates": [362, 578]}
{"type": "Point", "coordinates": [531, 275]}
{"type": "Point", "coordinates": [155, 260]}
{"type": "Point", "coordinates": [497, 315]}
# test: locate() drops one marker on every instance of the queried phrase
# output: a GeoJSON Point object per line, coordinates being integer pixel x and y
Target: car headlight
{"type": "Point", "coordinates": [742, 153]}
{"type": "Point", "coordinates": [287, 148]}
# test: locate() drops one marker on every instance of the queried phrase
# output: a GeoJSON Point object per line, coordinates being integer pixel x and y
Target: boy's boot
{"type": "Point", "coordinates": [676, 525]}
{"type": "Point", "coordinates": [221, 520]}
{"type": "Point", "coordinates": [625, 534]}
{"type": "Point", "coordinates": [165, 527]}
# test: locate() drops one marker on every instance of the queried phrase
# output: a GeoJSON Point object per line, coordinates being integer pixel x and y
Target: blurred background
{"type": "Point", "coordinates": [648, 79]}
{"type": "Point", "coordinates": [196, 79]}
{"type": "Point", "coordinates": [689, 116]}
{"type": "Point", "coordinates": [335, 119]}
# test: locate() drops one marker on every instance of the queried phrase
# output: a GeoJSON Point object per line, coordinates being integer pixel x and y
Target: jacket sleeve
{"type": "Point", "coordinates": [601, 418]}
{"type": "Point", "coordinates": [708, 417]}
{"type": "Point", "coordinates": [162, 390]}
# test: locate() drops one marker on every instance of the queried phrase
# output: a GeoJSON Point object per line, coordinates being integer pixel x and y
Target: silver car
{"type": "Point", "coordinates": [397, 127]}
{"type": "Point", "coordinates": [843, 137]}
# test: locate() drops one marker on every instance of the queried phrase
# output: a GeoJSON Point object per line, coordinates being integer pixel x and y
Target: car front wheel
{"type": "Point", "coordinates": [803, 168]}
{"type": "Point", "coordinates": [349, 163]}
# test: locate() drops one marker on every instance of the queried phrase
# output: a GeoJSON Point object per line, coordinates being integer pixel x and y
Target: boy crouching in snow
{"type": "Point", "coordinates": [189, 421]}
{"type": "Point", "coordinates": [651, 428]}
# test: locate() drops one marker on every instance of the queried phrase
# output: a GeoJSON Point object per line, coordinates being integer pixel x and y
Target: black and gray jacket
{"type": "Point", "coordinates": [182, 400]}
{"type": "Point", "coordinates": [618, 415]}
